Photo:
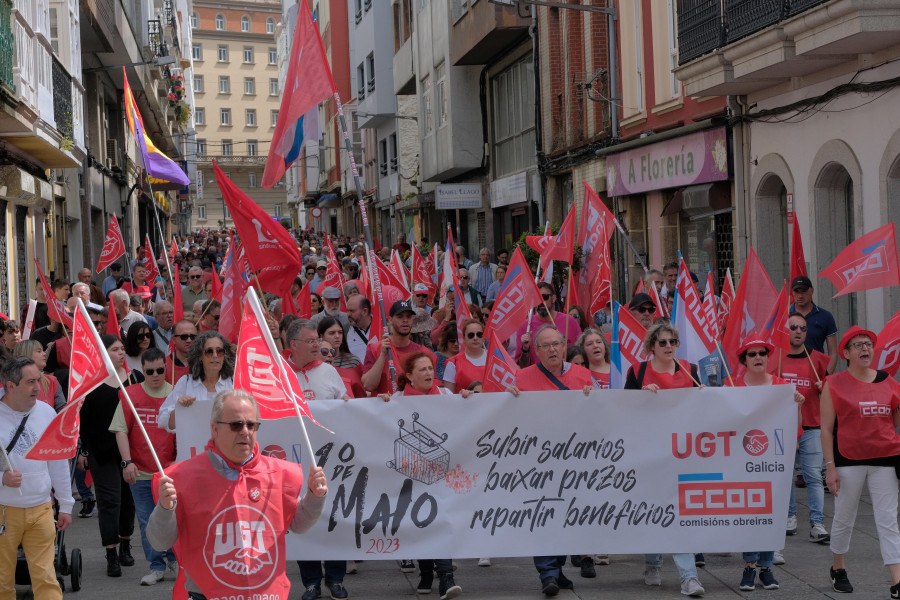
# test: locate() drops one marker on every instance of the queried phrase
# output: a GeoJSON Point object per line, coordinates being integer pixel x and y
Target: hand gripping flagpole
{"type": "Point", "coordinates": [105, 356]}
{"type": "Point", "coordinates": [286, 386]}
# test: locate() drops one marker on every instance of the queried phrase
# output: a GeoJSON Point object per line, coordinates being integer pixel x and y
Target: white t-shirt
{"type": "Point", "coordinates": [450, 366]}
{"type": "Point", "coordinates": [188, 386]}
{"type": "Point", "coordinates": [322, 382]}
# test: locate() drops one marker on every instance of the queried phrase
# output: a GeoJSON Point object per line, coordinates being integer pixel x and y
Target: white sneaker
{"type": "Point", "coordinates": [484, 562]}
{"type": "Point", "coordinates": [153, 577]}
{"type": "Point", "coordinates": [351, 567]}
{"type": "Point", "coordinates": [601, 559]}
{"type": "Point", "coordinates": [778, 558]}
{"type": "Point", "coordinates": [792, 525]}
{"type": "Point", "coordinates": [691, 587]}
{"type": "Point", "coordinates": [652, 575]}
{"type": "Point", "coordinates": [818, 534]}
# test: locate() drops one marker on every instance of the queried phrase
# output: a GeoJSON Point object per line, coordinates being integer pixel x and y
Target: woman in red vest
{"type": "Point", "coordinates": [50, 392]}
{"type": "Point", "coordinates": [664, 372]}
{"type": "Point", "coordinates": [753, 355]}
{"type": "Point", "coordinates": [859, 412]}
{"type": "Point", "coordinates": [597, 349]}
{"type": "Point", "coordinates": [468, 365]}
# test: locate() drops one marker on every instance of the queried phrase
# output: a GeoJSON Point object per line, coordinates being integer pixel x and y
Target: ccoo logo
{"type": "Point", "coordinates": [241, 550]}
{"type": "Point", "coordinates": [756, 442]}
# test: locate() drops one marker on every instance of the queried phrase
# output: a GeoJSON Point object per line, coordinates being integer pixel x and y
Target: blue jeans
{"type": "Point", "coordinates": [684, 561]}
{"type": "Point", "coordinates": [549, 566]}
{"type": "Point", "coordinates": [84, 490]}
{"type": "Point", "coordinates": [142, 492]}
{"type": "Point", "coordinates": [762, 559]}
{"type": "Point", "coordinates": [311, 571]}
{"type": "Point", "coordinates": [809, 451]}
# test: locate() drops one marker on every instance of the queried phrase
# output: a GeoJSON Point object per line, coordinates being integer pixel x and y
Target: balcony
{"type": "Point", "coordinates": [485, 30]}
{"type": "Point", "coordinates": [62, 99]}
{"type": "Point", "coordinates": [744, 47]}
{"type": "Point", "coordinates": [98, 25]}
{"type": "Point", "coordinates": [7, 45]}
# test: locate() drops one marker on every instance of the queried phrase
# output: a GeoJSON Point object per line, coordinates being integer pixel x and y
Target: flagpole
{"type": "Point", "coordinates": [375, 279]}
{"type": "Point", "coordinates": [805, 349]}
{"type": "Point", "coordinates": [722, 356]}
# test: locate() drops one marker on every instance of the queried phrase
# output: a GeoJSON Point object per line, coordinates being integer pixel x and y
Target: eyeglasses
{"type": "Point", "coordinates": [475, 334]}
{"type": "Point", "coordinates": [757, 353]}
{"type": "Point", "coordinates": [238, 426]}
{"type": "Point", "coordinates": [673, 342]}
{"type": "Point", "coordinates": [795, 327]}
{"type": "Point", "coordinates": [464, 277]}
{"type": "Point", "coordinates": [186, 336]}
{"type": "Point", "coordinates": [546, 296]}
{"type": "Point", "coordinates": [195, 276]}
{"type": "Point", "coordinates": [646, 309]}
{"type": "Point", "coordinates": [159, 371]}
{"type": "Point", "coordinates": [216, 317]}
{"type": "Point", "coordinates": [214, 352]}
{"type": "Point", "coordinates": [144, 336]}
{"type": "Point", "coordinates": [310, 341]}
{"type": "Point", "coordinates": [549, 345]}
{"type": "Point", "coordinates": [861, 345]}
{"type": "Point", "coordinates": [452, 341]}
{"type": "Point", "coordinates": [328, 351]}
{"type": "Point", "coordinates": [321, 268]}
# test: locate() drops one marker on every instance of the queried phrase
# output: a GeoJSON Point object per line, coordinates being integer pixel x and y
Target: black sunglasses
{"type": "Point", "coordinates": [475, 334]}
{"type": "Point", "coordinates": [328, 351]}
{"type": "Point", "coordinates": [795, 327]}
{"type": "Point", "coordinates": [145, 336]}
{"type": "Point", "coordinates": [546, 296]}
{"type": "Point", "coordinates": [186, 336]}
{"type": "Point", "coordinates": [158, 371]}
{"type": "Point", "coordinates": [195, 276]}
{"type": "Point", "coordinates": [756, 353]}
{"type": "Point", "coordinates": [214, 351]}
{"type": "Point", "coordinates": [646, 309]}
{"type": "Point", "coordinates": [664, 343]}
{"type": "Point", "coordinates": [238, 426]}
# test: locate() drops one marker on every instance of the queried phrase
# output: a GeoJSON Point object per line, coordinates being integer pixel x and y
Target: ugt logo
{"type": "Point", "coordinates": [241, 549]}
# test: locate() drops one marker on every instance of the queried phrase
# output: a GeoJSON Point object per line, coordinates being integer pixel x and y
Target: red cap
{"type": "Point", "coordinates": [852, 333]}
{"type": "Point", "coordinates": [751, 342]}
{"type": "Point", "coordinates": [144, 291]}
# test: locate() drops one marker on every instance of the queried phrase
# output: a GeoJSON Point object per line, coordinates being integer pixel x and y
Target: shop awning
{"type": "Point", "coordinates": [329, 201]}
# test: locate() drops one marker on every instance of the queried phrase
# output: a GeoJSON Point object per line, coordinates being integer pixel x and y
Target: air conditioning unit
{"type": "Point", "coordinates": [112, 154]}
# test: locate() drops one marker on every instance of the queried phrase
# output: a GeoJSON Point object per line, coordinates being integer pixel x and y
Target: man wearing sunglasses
{"type": "Point", "coordinates": [184, 332]}
{"type": "Point", "coordinates": [232, 487]}
{"type": "Point", "coordinates": [545, 313]}
{"type": "Point", "coordinates": [138, 466]}
{"type": "Point", "coordinates": [194, 290]}
{"type": "Point", "coordinates": [807, 374]}
{"type": "Point", "coordinates": [643, 308]}
{"type": "Point", "coordinates": [821, 331]}
{"type": "Point", "coordinates": [468, 292]}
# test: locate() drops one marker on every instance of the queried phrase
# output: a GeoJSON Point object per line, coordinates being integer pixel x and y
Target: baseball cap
{"type": "Point", "coordinates": [143, 291]}
{"type": "Point", "coordinates": [322, 263]}
{"type": "Point", "coordinates": [801, 282]}
{"type": "Point", "coordinates": [331, 293]}
{"type": "Point", "coordinates": [640, 300]}
{"type": "Point", "coordinates": [401, 306]}
{"type": "Point", "coordinates": [421, 288]}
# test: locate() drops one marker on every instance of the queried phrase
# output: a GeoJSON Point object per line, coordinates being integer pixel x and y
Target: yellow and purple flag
{"type": "Point", "coordinates": [160, 168]}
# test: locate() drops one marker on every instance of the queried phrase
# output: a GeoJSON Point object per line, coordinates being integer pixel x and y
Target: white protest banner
{"type": "Point", "coordinates": [549, 473]}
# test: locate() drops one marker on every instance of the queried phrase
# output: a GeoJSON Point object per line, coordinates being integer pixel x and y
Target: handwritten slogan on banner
{"type": "Point", "coordinates": [615, 472]}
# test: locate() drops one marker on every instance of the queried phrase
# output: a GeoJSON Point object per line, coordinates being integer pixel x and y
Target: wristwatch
{"type": "Point", "coordinates": [125, 463]}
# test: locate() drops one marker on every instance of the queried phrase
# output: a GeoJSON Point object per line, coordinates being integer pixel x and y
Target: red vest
{"type": "Point", "coordinates": [667, 381]}
{"type": "Point", "coordinates": [799, 371]}
{"type": "Point", "coordinates": [531, 379]}
{"type": "Point", "coordinates": [353, 381]}
{"type": "Point", "coordinates": [63, 352]}
{"type": "Point", "coordinates": [173, 371]}
{"type": "Point", "coordinates": [163, 442]}
{"type": "Point", "coordinates": [466, 372]}
{"type": "Point", "coordinates": [232, 543]}
{"type": "Point", "coordinates": [601, 380]}
{"type": "Point", "coordinates": [864, 414]}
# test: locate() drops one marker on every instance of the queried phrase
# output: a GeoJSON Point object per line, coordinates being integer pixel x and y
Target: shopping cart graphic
{"type": "Point", "coordinates": [418, 453]}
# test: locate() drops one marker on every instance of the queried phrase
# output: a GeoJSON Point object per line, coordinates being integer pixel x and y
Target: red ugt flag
{"type": "Point", "coordinates": [887, 350]}
{"type": "Point", "coordinates": [89, 367]}
{"type": "Point", "coordinates": [594, 233]}
{"type": "Point", "coordinates": [727, 300]}
{"type": "Point", "coordinates": [421, 273]}
{"type": "Point", "coordinates": [500, 369]}
{"type": "Point", "coordinates": [113, 245]}
{"type": "Point", "coordinates": [150, 262]}
{"type": "Point", "coordinates": [869, 262]}
{"type": "Point", "coordinates": [56, 310]}
{"type": "Point", "coordinates": [518, 294]}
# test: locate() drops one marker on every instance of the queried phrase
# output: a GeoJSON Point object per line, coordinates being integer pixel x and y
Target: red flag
{"type": "Point", "coordinates": [558, 247]}
{"type": "Point", "coordinates": [56, 309]}
{"type": "Point", "coordinates": [308, 83]}
{"type": "Point", "coordinates": [660, 305]}
{"type": "Point", "coordinates": [887, 350]}
{"type": "Point", "coordinates": [216, 290]}
{"type": "Point", "coordinates": [709, 306]}
{"type": "Point", "coordinates": [113, 245]}
{"type": "Point", "coordinates": [431, 264]}
{"type": "Point", "coordinates": [500, 369]}
{"type": "Point", "coordinates": [334, 277]}
{"type": "Point", "coordinates": [304, 302]}
{"type": "Point", "coordinates": [752, 307]}
{"type": "Point", "coordinates": [176, 296]}
{"type": "Point", "coordinates": [378, 326]}
{"type": "Point", "coordinates": [173, 249]}
{"type": "Point", "coordinates": [397, 267]}
{"type": "Point", "coordinates": [697, 336]}
{"type": "Point", "coordinates": [233, 290]}
{"type": "Point", "coordinates": [150, 262]}
{"type": "Point", "coordinates": [627, 346]}
{"type": "Point", "coordinates": [112, 322]}
{"type": "Point", "coordinates": [262, 371]}
{"type": "Point", "coordinates": [640, 287]}
{"type": "Point", "coordinates": [798, 260]}
{"type": "Point", "coordinates": [89, 366]}
{"type": "Point", "coordinates": [725, 302]}
{"type": "Point", "coordinates": [421, 273]}
{"type": "Point", "coordinates": [867, 263]}
{"type": "Point", "coordinates": [386, 276]}
{"type": "Point", "coordinates": [518, 294]}
{"type": "Point", "coordinates": [594, 233]}
{"type": "Point", "coordinates": [776, 327]}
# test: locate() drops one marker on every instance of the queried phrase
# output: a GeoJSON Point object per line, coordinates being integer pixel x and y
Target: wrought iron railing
{"type": "Point", "coordinates": [700, 28]}
{"type": "Point", "coordinates": [7, 45]}
{"type": "Point", "coordinates": [743, 17]}
{"type": "Point", "coordinates": [62, 99]}
{"type": "Point", "coordinates": [793, 7]}
{"type": "Point", "coordinates": [155, 40]}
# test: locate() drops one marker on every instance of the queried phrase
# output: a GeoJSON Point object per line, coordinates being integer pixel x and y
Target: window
{"type": "Point", "coordinates": [252, 148]}
{"type": "Point", "coordinates": [197, 52]}
{"type": "Point", "coordinates": [220, 22]}
{"type": "Point", "coordinates": [199, 116]}
{"type": "Point", "coordinates": [250, 85]}
{"type": "Point", "coordinates": [201, 148]}
{"type": "Point", "coordinates": [251, 180]}
{"type": "Point", "coordinates": [402, 23]}
{"type": "Point", "coordinates": [273, 86]}
{"type": "Point", "coordinates": [223, 53]}
{"type": "Point", "coordinates": [370, 67]}
{"type": "Point", "coordinates": [251, 117]}
{"type": "Point", "coordinates": [245, 24]}
{"type": "Point", "coordinates": [270, 25]}
{"type": "Point", "coordinates": [248, 54]}
{"type": "Point", "coordinates": [392, 148]}
{"type": "Point", "coordinates": [358, 11]}
{"type": "Point", "coordinates": [513, 117]}
{"type": "Point", "coordinates": [674, 84]}
{"type": "Point", "coordinates": [273, 56]}
{"type": "Point", "coordinates": [426, 104]}
{"type": "Point", "coordinates": [274, 118]}
{"type": "Point", "coordinates": [227, 149]}
{"type": "Point", "coordinates": [224, 84]}
{"type": "Point", "coordinates": [198, 83]}
{"type": "Point", "coordinates": [440, 94]}
{"type": "Point", "coordinates": [382, 158]}
{"type": "Point", "coordinates": [225, 117]}
{"type": "Point", "coordinates": [201, 212]}
{"type": "Point", "coordinates": [277, 211]}
{"type": "Point", "coordinates": [195, 20]}
{"type": "Point", "coordinates": [361, 81]}
{"type": "Point", "coordinates": [639, 58]}
{"type": "Point", "coordinates": [54, 31]}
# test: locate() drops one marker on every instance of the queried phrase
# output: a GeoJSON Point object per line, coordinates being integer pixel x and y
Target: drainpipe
{"type": "Point", "coordinates": [613, 71]}
{"type": "Point", "coordinates": [741, 136]}
{"type": "Point", "coordinates": [538, 128]}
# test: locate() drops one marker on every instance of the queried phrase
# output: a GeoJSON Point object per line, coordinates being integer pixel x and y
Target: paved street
{"type": "Point", "coordinates": [805, 575]}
